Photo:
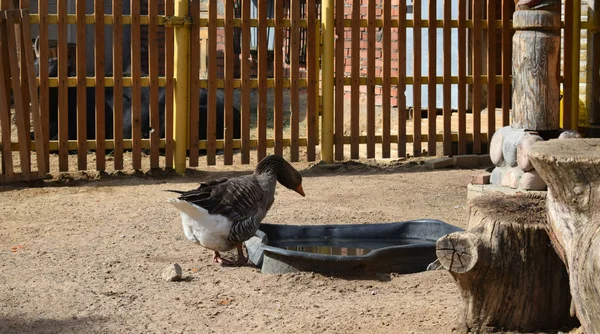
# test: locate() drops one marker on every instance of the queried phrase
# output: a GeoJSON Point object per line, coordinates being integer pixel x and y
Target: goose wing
{"type": "Point", "coordinates": [237, 199]}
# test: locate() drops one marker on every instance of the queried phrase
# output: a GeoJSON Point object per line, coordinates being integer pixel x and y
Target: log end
{"type": "Point", "coordinates": [458, 252]}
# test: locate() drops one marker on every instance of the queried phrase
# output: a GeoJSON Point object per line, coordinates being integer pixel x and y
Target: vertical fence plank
{"type": "Point", "coordinates": [506, 61]}
{"type": "Point", "coordinates": [339, 80]}
{"type": "Point", "coordinates": [228, 106]}
{"type": "Point", "coordinates": [99, 74]}
{"type": "Point", "coordinates": [153, 73]}
{"type": "Point", "coordinates": [5, 119]}
{"type": "Point", "coordinates": [402, 79]}
{"type": "Point", "coordinates": [41, 146]}
{"type": "Point", "coordinates": [431, 84]}
{"type": "Point", "coordinates": [447, 86]}
{"type": "Point", "coordinates": [417, 78]}
{"type": "Point", "coordinates": [568, 69]}
{"type": "Point", "coordinates": [262, 80]}
{"type": "Point", "coordinates": [311, 68]}
{"type": "Point", "coordinates": [21, 113]}
{"type": "Point", "coordinates": [118, 83]}
{"type": "Point", "coordinates": [24, 78]}
{"type": "Point", "coordinates": [195, 59]}
{"type": "Point", "coordinates": [476, 107]}
{"type": "Point", "coordinates": [136, 89]}
{"type": "Point", "coordinates": [63, 96]}
{"type": "Point", "coordinates": [169, 73]}
{"type": "Point", "coordinates": [386, 89]}
{"type": "Point", "coordinates": [371, 79]}
{"type": "Point", "coordinates": [462, 77]}
{"type": "Point", "coordinates": [43, 75]}
{"type": "Point", "coordinates": [278, 76]}
{"type": "Point", "coordinates": [211, 116]}
{"type": "Point", "coordinates": [81, 87]}
{"type": "Point", "coordinates": [294, 75]}
{"type": "Point", "coordinates": [491, 70]}
{"type": "Point", "coordinates": [355, 89]}
{"type": "Point", "coordinates": [245, 63]}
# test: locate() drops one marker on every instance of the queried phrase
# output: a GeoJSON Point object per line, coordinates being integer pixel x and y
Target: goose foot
{"type": "Point", "coordinates": [218, 259]}
{"type": "Point", "coordinates": [241, 259]}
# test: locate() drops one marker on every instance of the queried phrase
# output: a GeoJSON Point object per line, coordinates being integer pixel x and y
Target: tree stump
{"type": "Point", "coordinates": [508, 275]}
{"type": "Point", "coordinates": [536, 47]}
{"type": "Point", "coordinates": [571, 169]}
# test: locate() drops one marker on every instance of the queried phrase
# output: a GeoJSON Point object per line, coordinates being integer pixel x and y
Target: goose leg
{"type": "Point", "coordinates": [218, 259]}
{"type": "Point", "coordinates": [241, 259]}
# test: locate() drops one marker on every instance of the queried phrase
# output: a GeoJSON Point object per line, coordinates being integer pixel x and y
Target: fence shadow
{"type": "Point", "coordinates": [42, 326]}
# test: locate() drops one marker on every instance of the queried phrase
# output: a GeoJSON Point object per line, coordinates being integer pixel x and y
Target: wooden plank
{"type": "Point", "coordinates": [477, 59]}
{"type": "Point", "coordinates": [568, 84]}
{"type": "Point", "coordinates": [371, 80]}
{"type": "Point", "coordinates": [245, 63]}
{"type": "Point", "coordinates": [262, 79]}
{"type": "Point", "coordinates": [169, 73]}
{"type": "Point", "coordinates": [228, 105]}
{"type": "Point", "coordinates": [63, 95]}
{"type": "Point", "coordinates": [402, 79]}
{"type": "Point", "coordinates": [136, 91]}
{"type": "Point", "coordinates": [195, 59]}
{"type": "Point", "coordinates": [81, 88]}
{"type": "Point", "coordinates": [447, 87]}
{"type": "Point", "coordinates": [431, 84]}
{"type": "Point", "coordinates": [44, 90]}
{"type": "Point", "coordinates": [278, 77]}
{"type": "Point", "coordinates": [211, 112]}
{"type": "Point", "coordinates": [153, 73]}
{"type": "Point", "coordinates": [491, 68]}
{"type": "Point", "coordinates": [506, 61]}
{"type": "Point", "coordinates": [339, 80]}
{"type": "Point", "coordinates": [24, 77]}
{"type": "Point", "coordinates": [100, 94]}
{"type": "Point", "coordinates": [27, 64]}
{"type": "Point", "coordinates": [462, 73]}
{"type": "Point", "coordinates": [5, 117]}
{"type": "Point", "coordinates": [294, 76]}
{"type": "Point", "coordinates": [311, 67]}
{"type": "Point", "coordinates": [355, 90]}
{"type": "Point", "coordinates": [118, 83]}
{"type": "Point", "coordinates": [417, 78]}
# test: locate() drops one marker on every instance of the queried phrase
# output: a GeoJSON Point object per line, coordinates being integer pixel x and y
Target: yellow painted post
{"type": "Point", "coordinates": [181, 88]}
{"type": "Point", "coordinates": [575, 61]}
{"type": "Point", "coordinates": [328, 26]}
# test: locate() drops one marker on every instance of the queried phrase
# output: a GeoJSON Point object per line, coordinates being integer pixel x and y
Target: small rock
{"type": "Point", "coordinates": [498, 175]}
{"type": "Point", "coordinates": [523, 151]}
{"type": "Point", "coordinates": [532, 181]}
{"type": "Point", "coordinates": [569, 134]}
{"type": "Point", "coordinates": [512, 177]}
{"type": "Point", "coordinates": [509, 145]}
{"type": "Point", "coordinates": [496, 148]}
{"type": "Point", "coordinates": [172, 273]}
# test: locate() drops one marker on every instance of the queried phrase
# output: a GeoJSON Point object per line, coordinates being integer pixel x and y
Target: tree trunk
{"type": "Point", "coordinates": [571, 168]}
{"type": "Point", "coordinates": [536, 46]}
{"type": "Point", "coordinates": [509, 276]}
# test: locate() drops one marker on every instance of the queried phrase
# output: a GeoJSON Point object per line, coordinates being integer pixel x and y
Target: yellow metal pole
{"type": "Point", "coordinates": [327, 24]}
{"type": "Point", "coordinates": [181, 88]}
{"type": "Point", "coordinates": [575, 61]}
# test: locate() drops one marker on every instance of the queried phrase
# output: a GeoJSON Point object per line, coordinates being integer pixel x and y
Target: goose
{"type": "Point", "coordinates": [223, 213]}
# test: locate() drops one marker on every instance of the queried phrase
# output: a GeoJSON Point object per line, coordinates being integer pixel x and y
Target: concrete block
{"type": "Point", "coordinates": [483, 178]}
{"type": "Point", "coordinates": [466, 161]}
{"type": "Point", "coordinates": [475, 190]}
{"type": "Point", "coordinates": [437, 163]}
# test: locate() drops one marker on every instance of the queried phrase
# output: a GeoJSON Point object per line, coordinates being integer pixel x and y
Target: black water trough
{"type": "Point", "coordinates": [404, 247]}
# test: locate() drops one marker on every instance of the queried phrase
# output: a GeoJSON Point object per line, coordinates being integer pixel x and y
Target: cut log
{"type": "Point", "coordinates": [508, 275]}
{"type": "Point", "coordinates": [571, 169]}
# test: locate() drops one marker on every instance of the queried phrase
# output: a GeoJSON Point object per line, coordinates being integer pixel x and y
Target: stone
{"type": "Point", "coordinates": [509, 145]}
{"type": "Point", "coordinates": [483, 178]}
{"type": "Point", "coordinates": [172, 273]}
{"type": "Point", "coordinates": [437, 163]}
{"type": "Point", "coordinates": [496, 147]}
{"type": "Point", "coordinates": [512, 177]}
{"type": "Point", "coordinates": [532, 181]}
{"type": "Point", "coordinates": [466, 161]}
{"type": "Point", "coordinates": [569, 134]}
{"type": "Point", "coordinates": [523, 151]}
{"type": "Point", "coordinates": [498, 174]}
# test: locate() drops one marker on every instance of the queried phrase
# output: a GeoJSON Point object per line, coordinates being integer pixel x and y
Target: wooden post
{"type": "Point", "coordinates": [536, 47]}
{"type": "Point", "coordinates": [571, 168]}
{"type": "Point", "coordinates": [181, 91]}
{"type": "Point", "coordinates": [593, 70]}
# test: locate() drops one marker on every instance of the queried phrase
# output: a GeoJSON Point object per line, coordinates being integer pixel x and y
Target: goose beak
{"type": "Point", "coordinates": [299, 190]}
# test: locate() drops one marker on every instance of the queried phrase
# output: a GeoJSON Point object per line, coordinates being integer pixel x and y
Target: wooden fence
{"type": "Point", "coordinates": [286, 112]}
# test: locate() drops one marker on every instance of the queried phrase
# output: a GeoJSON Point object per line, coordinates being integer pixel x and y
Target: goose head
{"type": "Point", "coordinates": [286, 174]}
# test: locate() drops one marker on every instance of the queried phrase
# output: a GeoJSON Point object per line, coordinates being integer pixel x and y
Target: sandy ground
{"type": "Point", "coordinates": [86, 256]}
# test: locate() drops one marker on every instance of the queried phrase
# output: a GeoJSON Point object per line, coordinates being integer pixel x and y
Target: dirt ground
{"type": "Point", "coordinates": [86, 256]}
